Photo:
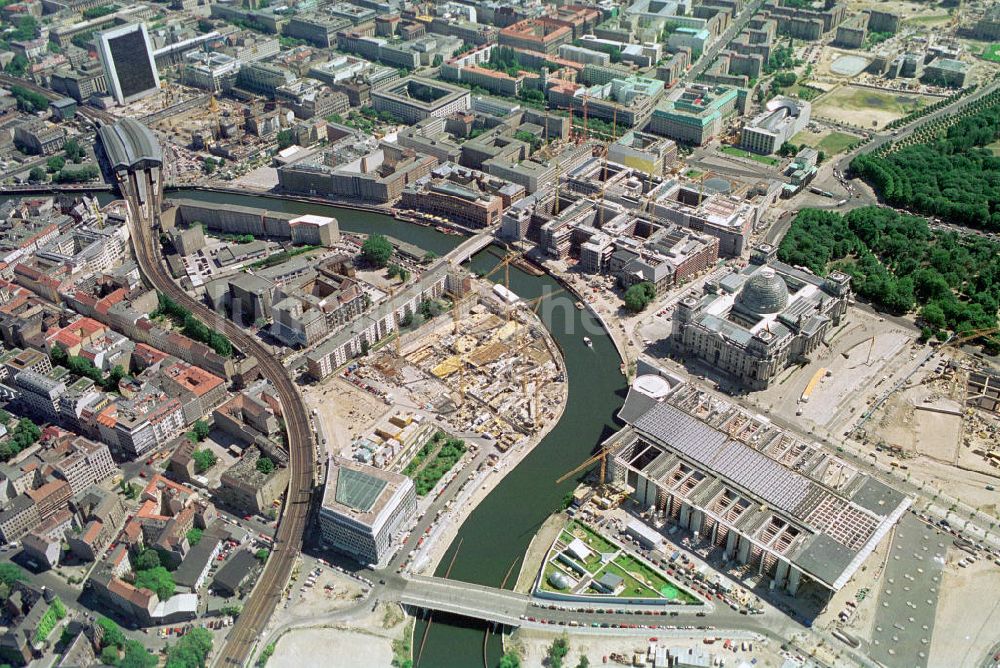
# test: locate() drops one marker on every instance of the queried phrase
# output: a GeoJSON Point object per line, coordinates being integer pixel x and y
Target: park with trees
{"type": "Point", "coordinates": [899, 264]}
{"type": "Point", "coordinates": [951, 173]}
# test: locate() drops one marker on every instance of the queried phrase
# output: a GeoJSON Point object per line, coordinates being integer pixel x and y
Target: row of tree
{"type": "Point", "coordinates": [192, 327]}
{"type": "Point", "coordinates": [898, 262]}
{"type": "Point", "coordinates": [952, 176]}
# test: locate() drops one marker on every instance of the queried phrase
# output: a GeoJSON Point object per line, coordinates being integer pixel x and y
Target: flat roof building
{"type": "Point", "coordinates": [127, 56]}
{"type": "Point", "coordinates": [786, 510]}
{"type": "Point", "coordinates": [415, 98]}
{"type": "Point", "coordinates": [782, 119]}
{"type": "Point", "coordinates": [363, 507]}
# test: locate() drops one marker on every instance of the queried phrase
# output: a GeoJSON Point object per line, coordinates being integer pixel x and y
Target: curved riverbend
{"type": "Point", "coordinates": [496, 534]}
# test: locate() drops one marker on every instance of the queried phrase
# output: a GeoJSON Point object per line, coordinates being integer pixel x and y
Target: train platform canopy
{"type": "Point", "coordinates": [129, 144]}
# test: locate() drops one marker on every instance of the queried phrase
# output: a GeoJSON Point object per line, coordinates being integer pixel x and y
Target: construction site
{"type": "Point", "coordinates": [489, 369]}
{"type": "Point", "coordinates": [943, 427]}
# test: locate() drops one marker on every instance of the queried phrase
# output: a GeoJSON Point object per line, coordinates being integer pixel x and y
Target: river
{"type": "Point", "coordinates": [493, 539]}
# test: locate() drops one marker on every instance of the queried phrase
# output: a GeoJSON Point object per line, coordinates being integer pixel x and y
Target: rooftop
{"type": "Point", "coordinates": [129, 144]}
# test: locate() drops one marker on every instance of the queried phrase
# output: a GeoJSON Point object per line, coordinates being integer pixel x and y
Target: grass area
{"type": "Point", "coordinates": [283, 256]}
{"type": "Point", "coordinates": [992, 53]}
{"type": "Point", "coordinates": [830, 143]}
{"type": "Point", "coordinates": [929, 20]}
{"type": "Point", "coordinates": [449, 451]}
{"type": "Point", "coordinates": [740, 153]}
{"type": "Point", "coordinates": [592, 539]}
{"type": "Point", "coordinates": [693, 173]}
{"type": "Point", "coordinates": [859, 98]}
{"type": "Point", "coordinates": [633, 588]}
{"type": "Point", "coordinates": [653, 579]}
{"type": "Point", "coordinates": [995, 147]}
{"type": "Point", "coordinates": [837, 142]}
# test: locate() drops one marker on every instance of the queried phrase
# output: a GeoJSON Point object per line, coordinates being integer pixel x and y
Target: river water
{"type": "Point", "coordinates": [492, 541]}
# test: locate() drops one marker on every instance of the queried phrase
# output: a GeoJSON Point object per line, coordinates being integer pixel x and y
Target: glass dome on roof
{"type": "Point", "coordinates": [764, 292]}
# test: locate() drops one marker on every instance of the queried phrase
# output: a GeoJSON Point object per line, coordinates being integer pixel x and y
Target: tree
{"type": "Point", "coordinates": [584, 662]}
{"type": "Point", "coordinates": [285, 139]}
{"type": "Point", "coordinates": [4, 417]}
{"type": "Point", "coordinates": [73, 150]}
{"type": "Point", "coordinates": [137, 656]}
{"type": "Point", "coordinates": [194, 535]}
{"type": "Point", "coordinates": [787, 149]}
{"type": "Point", "coordinates": [147, 559]}
{"type": "Point", "coordinates": [109, 655]}
{"type": "Point", "coordinates": [111, 633]}
{"type": "Point", "coordinates": [55, 163]}
{"type": "Point", "coordinates": [158, 580]}
{"type": "Point", "coordinates": [204, 460]}
{"type": "Point", "coordinates": [510, 660]}
{"type": "Point", "coordinates": [11, 573]}
{"type": "Point", "coordinates": [557, 651]}
{"type": "Point", "coordinates": [638, 296]}
{"type": "Point", "coordinates": [201, 430]}
{"type": "Point", "coordinates": [262, 554]}
{"type": "Point", "coordinates": [265, 465]}
{"type": "Point", "coordinates": [191, 650]}
{"type": "Point", "coordinates": [376, 250]}
{"type": "Point", "coordinates": [37, 175]}
{"type": "Point", "coordinates": [438, 60]}
{"type": "Point", "coordinates": [17, 66]}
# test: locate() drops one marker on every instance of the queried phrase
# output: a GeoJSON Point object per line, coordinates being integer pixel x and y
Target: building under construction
{"type": "Point", "coordinates": [781, 508]}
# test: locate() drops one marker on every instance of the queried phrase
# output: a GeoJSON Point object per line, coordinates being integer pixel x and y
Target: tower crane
{"type": "Point", "coordinates": [599, 457]}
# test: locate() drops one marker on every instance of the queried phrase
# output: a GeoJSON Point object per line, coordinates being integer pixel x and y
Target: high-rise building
{"type": "Point", "coordinates": [127, 56]}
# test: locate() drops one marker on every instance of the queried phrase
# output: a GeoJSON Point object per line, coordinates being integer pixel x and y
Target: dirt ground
{"type": "Point", "coordinates": [533, 645]}
{"type": "Point", "coordinates": [848, 104]}
{"type": "Point", "coordinates": [329, 648]}
{"type": "Point", "coordinates": [367, 642]}
{"type": "Point", "coordinates": [857, 366]}
{"type": "Point", "coordinates": [345, 412]}
{"type": "Point", "coordinates": [965, 626]}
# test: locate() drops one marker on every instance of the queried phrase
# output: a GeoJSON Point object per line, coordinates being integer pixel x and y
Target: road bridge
{"type": "Point", "coordinates": [466, 599]}
{"type": "Point", "coordinates": [461, 253]}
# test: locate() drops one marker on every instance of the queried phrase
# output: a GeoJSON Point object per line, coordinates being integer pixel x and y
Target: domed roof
{"type": "Point", "coordinates": [764, 292]}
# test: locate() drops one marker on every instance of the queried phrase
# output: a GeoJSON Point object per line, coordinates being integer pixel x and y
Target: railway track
{"type": "Point", "coordinates": [239, 646]}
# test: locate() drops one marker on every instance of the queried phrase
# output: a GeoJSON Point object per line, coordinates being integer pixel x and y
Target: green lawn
{"type": "Point", "coordinates": [830, 143]}
{"type": "Point", "coordinates": [995, 147]}
{"type": "Point", "coordinates": [740, 153]}
{"type": "Point", "coordinates": [593, 540]}
{"type": "Point", "coordinates": [693, 173]}
{"type": "Point", "coordinates": [837, 142]}
{"type": "Point", "coordinates": [992, 53]}
{"type": "Point", "coordinates": [669, 590]}
{"type": "Point", "coordinates": [633, 588]}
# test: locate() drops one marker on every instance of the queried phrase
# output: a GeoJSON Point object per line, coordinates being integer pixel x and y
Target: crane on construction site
{"type": "Point", "coordinates": [533, 305]}
{"type": "Point", "coordinates": [601, 457]}
{"type": "Point", "coordinates": [965, 338]}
